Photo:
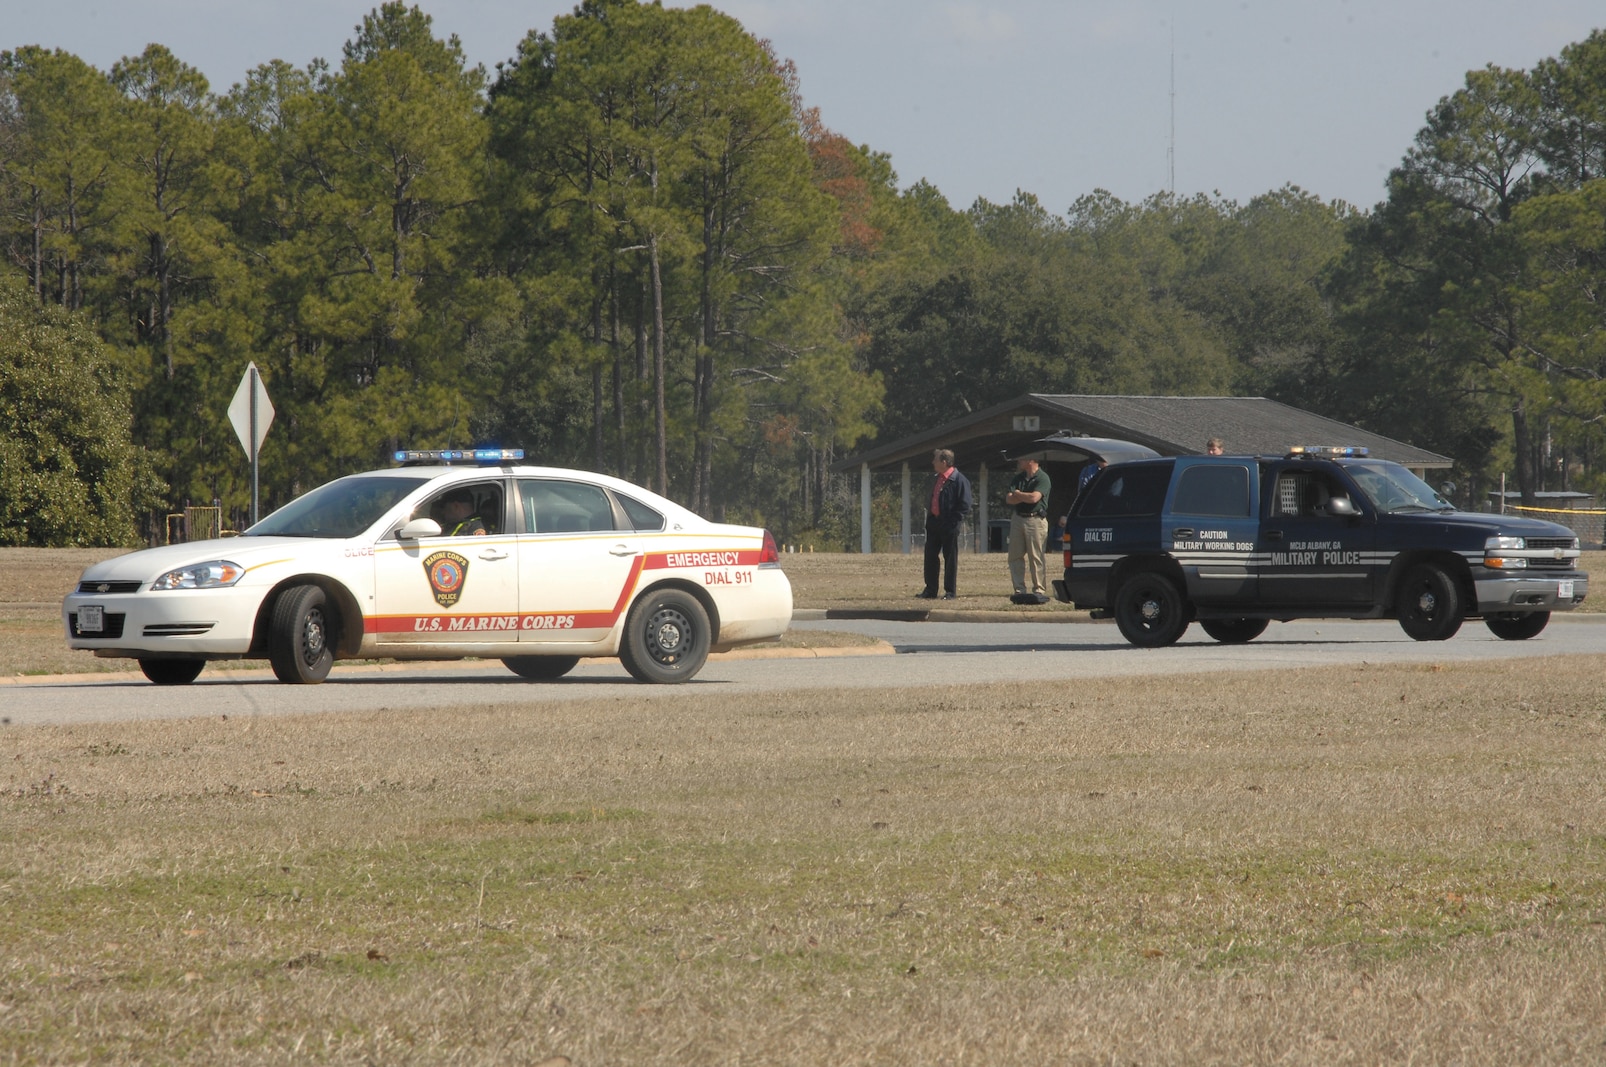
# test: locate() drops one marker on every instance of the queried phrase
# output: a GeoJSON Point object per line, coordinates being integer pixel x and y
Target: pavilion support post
{"type": "Point", "coordinates": [906, 530]}
{"type": "Point", "coordinates": [979, 534]}
{"type": "Point", "coordinates": [864, 508]}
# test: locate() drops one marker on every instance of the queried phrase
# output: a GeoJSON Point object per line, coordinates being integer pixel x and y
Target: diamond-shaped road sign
{"type": "Point", "coordinates": [250, 389]}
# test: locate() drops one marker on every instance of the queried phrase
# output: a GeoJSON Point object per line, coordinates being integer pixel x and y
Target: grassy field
{"type": "Point", "coordinates": [1358, 865]}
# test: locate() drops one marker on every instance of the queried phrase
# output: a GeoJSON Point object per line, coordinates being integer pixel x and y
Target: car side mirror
{"type": "Point", "coordinates": [417, 528]}
{"type": "Point", "coordinates": [1342, 506]}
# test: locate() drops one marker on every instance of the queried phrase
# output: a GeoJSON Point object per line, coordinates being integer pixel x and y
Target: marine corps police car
{"type": "Point", "coordinates": [1237, 541]}
{"type": "Point", "coordinates": [549, 566]}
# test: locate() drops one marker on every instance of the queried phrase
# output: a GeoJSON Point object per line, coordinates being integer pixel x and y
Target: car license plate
{"type": "Point", "coordinates": [1564, 590]}
{"type": "Point", "coordinates": [91, 618]}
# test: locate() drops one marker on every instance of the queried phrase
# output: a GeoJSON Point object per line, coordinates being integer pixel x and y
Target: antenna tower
{"type": "Point", "coordinates": [1171, 151]}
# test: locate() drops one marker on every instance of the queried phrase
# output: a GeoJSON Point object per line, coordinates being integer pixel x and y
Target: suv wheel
{"type": "Point", "coordinates": [1517, 626]}
{"type": "Point", "coordinates": [1234, 631]}
{"type": "Point", "coordinates": [1149, 611]}
{"type": "Point", "coordinates": [1429, 604]}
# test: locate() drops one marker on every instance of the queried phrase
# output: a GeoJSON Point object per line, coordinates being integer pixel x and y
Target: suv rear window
{"type": "Point", "coordinates": [1123, 490]}
{"type": "Point", "coordinates": [1216, 489]}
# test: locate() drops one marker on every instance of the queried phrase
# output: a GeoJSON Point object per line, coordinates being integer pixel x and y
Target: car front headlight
{"type": "Point", "coordinates": [214, 574]}
{"type": "Point", "coordinates": [1506, 544]}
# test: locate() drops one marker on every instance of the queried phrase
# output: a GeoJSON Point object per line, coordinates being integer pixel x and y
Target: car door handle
{"type": "Point", "coordinates": [1274, 535]}
{"type": "Point", "coordinates": [491, 553]}
{"type": "Point", "coordinates": [1182, 531]}
{"type": "Point", "coordinates": [621, 550]}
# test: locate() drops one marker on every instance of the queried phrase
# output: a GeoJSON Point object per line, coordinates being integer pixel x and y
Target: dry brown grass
{"type": "Point", "coordinates": [1353, 865]}
{"type": "Point", "coordinates": [842, 580]}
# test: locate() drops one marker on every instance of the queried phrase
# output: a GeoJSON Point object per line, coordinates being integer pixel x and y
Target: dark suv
{"type": "Point", "coordinates": [1237, 541]}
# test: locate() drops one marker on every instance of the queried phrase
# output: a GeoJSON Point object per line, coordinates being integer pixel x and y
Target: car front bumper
{"type": "Point", "coordinates": [181, 623]}
{"type": "Point", "coordinates": [1531, 592]}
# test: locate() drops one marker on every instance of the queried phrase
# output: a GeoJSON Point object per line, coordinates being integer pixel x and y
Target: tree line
{"type": "Point", "coordinates": [633, 248]}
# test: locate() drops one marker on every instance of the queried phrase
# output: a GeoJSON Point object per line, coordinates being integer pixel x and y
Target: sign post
{"type": "Point", "coordinates": [251, 413]}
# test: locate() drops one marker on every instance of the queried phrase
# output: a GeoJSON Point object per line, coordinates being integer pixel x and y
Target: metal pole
{"type": "Point", "coordinates": [864, 508]}
{"type": "Point", "coordinates": [255, 437]}
{"type": "Point", "coordinates": [906, 527]}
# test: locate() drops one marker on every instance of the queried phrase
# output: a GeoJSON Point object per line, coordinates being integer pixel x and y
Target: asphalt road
{"type": "Point", "coordinates": [927, 654]}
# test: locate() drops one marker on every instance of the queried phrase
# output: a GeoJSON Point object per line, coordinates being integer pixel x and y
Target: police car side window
{"type": "Point", "coordinates": [552, 506]}
{"type": "Point", "coordinates": [1136, 491]}
{"type": "Point", "coordinates": [485, 508]}
{"type": "Point", "coordinates": [641, 516]}
{"type": "Point", "coordinates": [1216, 490]}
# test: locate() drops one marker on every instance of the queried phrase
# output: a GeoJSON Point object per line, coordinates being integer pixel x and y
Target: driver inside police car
{"type": "Point", "coordinates": [458, 517]}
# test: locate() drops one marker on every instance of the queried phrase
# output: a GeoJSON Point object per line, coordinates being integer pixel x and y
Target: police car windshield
{"type": "Point", "coordinates": [343, 508]}
{"type": "Point", "coordinates": [1393, 489]}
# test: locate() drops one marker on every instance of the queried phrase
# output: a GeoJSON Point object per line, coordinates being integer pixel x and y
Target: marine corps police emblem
{"type": "Point", "coordinates": [447, 572]}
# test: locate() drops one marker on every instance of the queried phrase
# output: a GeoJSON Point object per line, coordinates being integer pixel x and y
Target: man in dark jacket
{"type": "Point", "coordinates": [949, 503]}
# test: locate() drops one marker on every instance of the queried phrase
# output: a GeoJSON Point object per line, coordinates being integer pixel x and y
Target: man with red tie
{"type": "Point", "coordinates": [950, 502]}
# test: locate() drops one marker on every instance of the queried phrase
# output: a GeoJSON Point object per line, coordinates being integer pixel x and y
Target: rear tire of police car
{"type": "Point", "coordinates": [1234, 631]}
{"type": "Point", "coordinates": [300, 636]}
{"type": "Point", "coordinates": [1517, 626]}
{"type": "Point", "coordinates": [1429, 604]}
{"type": "Point", "coordinates": [540, 668]}
{"type": "Point", "coordinates": [172, 671]}
{"type": "Point", "coordinates": [667, 637]}
{"type": "Point", "coordinates": [1149, 611]}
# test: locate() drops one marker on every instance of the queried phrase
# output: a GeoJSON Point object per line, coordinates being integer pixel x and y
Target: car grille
{"type": "Point", "coordinates": [114, 626]}
{"type": "Point", "coordinates": [109, 587]}
{"type": "Point", "coordinates": [176, 629]}
{"type": "Point", "coordinates": [1549, 542]}
{"type": "Point", "coordinates": [1565, 564]}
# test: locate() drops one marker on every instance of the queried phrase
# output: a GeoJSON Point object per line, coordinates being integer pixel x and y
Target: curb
{"type": "Point", "coordinates": [939, 615]}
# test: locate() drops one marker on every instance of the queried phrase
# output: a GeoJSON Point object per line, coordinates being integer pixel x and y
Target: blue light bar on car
{"type": "Point", "coordinates": [457, 455]}
{"type": "Point", "coordinates": [1328, 451]}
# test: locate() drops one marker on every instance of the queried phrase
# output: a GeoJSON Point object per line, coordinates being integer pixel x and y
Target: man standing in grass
{"type": "Point", "coordinates": [1028, 529]}
{"type": "Point", "coordinates": [946, 510]}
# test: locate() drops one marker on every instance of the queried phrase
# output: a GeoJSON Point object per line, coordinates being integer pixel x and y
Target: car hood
{"type": "Point", "coordinates": [1509, 525]}
{"type": "Point", "coordinates": [146, 564]}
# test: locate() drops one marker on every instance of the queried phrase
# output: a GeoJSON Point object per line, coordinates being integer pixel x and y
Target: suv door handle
{"type": "Point", "coordinates": [621, 550]}
{"type": "Point", "coordinates": [491, 553]}
{"type": "Point", "coordinates": [1274, 535]}
{"type": "Point", "coordinates": [1182, 531]}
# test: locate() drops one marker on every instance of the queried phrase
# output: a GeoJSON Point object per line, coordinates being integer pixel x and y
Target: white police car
{"type": "Point", "coordinates": [548, 566]}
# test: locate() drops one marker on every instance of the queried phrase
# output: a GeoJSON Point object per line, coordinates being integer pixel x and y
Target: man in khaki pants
{"type": "Point", "coordinates": [1028, 529]}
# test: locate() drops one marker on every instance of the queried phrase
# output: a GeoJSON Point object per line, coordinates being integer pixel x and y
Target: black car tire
{"type": "Point", "coordinates": [1234, 631]}
{"type": "Point", "coordinates": [301, 636]}
{"type": "Point", "coordinates": [1149, 611]}
{"type": "Point", "coordinates": [1429, 604]}
{"type": "Point", "coordinates": [540, 668]}
{"type": "Point", "coordinates": [1517, 626]}
{"type": "Point", "coordinates": [666, 638]}
{"type": "Point", "coordinates": [172, 671]}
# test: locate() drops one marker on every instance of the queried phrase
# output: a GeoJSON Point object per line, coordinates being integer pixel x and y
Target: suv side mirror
{"type": "Point", "coordinates": [1342, 505]}
{"type": "Point", "coordinates": [417, 528]}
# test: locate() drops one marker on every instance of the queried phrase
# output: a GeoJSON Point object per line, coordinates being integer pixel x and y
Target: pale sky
{"type": "Point", "coordinates": [1055, 97]}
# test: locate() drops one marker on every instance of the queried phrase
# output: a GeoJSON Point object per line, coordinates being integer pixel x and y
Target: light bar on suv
{"type": "Point", "coordinates": [1328, 451]}
{"type": "Point", "coordinates": [457, 455]}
